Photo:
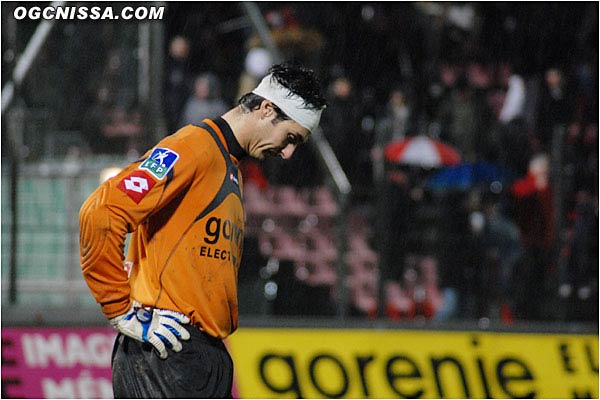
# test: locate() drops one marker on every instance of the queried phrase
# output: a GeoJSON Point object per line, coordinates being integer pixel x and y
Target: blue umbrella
{"type": "Point", "coordinates": [467, 175]}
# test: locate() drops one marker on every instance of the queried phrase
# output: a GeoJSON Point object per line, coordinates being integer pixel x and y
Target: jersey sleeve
{"type": "Point", "coordinates": [119, 205]}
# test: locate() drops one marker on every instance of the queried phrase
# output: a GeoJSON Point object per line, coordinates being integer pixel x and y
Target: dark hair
{"type": "Point", "coordinates": [299, 80]}
{"type": "Point", "coordinates": [250, 101]}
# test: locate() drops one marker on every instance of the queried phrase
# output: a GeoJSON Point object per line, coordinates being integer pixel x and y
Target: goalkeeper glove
{"type": "Point", "coordinates": [160, 328]}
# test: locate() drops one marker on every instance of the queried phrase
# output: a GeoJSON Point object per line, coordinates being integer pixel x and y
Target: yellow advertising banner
{"type": "Point", "coordinates": [330, 363]}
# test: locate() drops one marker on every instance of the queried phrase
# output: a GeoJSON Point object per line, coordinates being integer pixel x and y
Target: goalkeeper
{"type": "Point", "coordinates": [176, 298]}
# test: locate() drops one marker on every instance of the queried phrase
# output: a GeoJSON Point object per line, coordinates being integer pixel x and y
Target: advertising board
{"type": "Point", "coordinates": [327, 363]}
{"type": "Point", "coordinates": [57, 362]}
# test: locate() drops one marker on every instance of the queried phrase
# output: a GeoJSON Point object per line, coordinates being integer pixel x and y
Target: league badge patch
{"type": "Point", "coordinates": [136, 185]}
{"type": "Point", "coordinates": [160, 162]}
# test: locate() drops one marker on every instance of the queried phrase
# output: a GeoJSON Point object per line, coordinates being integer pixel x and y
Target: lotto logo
{"type": "Point", "coordinates": [128, 267]}
{"type": "Point", "coordinates": [136, 185]}
{"type": "Point", "coordinates": [160, 162]}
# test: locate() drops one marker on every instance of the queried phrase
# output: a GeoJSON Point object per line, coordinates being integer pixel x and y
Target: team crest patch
{"type": "Point", "coordinates": [136, 185]}
{"type": "Point", "coordinates": [160, 162]}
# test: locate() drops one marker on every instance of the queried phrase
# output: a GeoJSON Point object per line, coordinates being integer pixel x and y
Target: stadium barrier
{"type": "Point", "coordinates": [307, 363]}
{"type": "Point", "coordinates": [328, 363]}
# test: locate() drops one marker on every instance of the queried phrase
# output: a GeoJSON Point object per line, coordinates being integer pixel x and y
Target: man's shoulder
{"type": "Point", "coordinates": [189, 142]}
{"type": "Point", "coordinates": [189, 135]}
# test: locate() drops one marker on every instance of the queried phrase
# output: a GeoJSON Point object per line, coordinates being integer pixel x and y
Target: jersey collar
{"type": "Point", "coordinates": [233, 145]}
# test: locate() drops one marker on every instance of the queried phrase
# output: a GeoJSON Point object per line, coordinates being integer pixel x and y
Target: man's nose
{"type": "Point", "coordinates": [287, 151]}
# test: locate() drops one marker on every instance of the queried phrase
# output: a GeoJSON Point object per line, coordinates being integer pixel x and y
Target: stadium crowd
{"type": "Point", "coordinates": [499, 249]}
{"type": "Point", "coordinates": [511, 94]}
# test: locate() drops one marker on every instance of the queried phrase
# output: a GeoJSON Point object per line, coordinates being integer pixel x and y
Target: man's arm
{"type": "Point", "coordinates": [102, 239]}
{"type": "Point", "coordinates": [103, 227]}
{"type": "Point", "coordinates": [119, 206]}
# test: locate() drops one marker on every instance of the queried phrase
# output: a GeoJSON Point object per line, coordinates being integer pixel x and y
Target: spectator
{"type": "Point", "coordinates": [555, 106]}
{"type": "Point", "coordinates": [294, 40]}
{"type": "Point", "coordinates": [514, 102]}
{"type": "Point", "coordinates": [503, 252]}
{"type": "Point", "coordinates": [110, 128]}
{"type": "Point", "coordinates": [122, 132]}
{"type": "Point", "coordinates": [414, 291]}
{"type": "Point", "coordinates": [206, 100]}
{"type": "Point", "coordinates": [585, 83]}
{"type": "Point", "coordinates": [419, 294]}
{"type": "Point", "coordinates": [578, 262]}
{"type": "Point", "coordinates": [393, 125]}
{"type": "Point", "coordinates": [178, 82]}
{"type": "Point", "coordinates": [458, 118]}
{"type": "Point", "coordinates": [580, 280]}
{"type": "Point", "coordinates": [440, 303]}
{"type": "Point", "coordinates": [394, 223]}
{"type": "Point", "coordinates": [480, 81]}
{"type": "Point", "coordinates": [533, 212]}
{"type": "Point", "coordinates": [513, 145]}
{"type": "Point", "coordinates": [398, 305]}
{"type": "Point", "coordinates": [442, 88]}
{"type": "Point", "coordinates": [341, 124]}
{"type": "Point", "coordinates": [258, 60]}
{"type": "Point", "coordinates": [586, 160]}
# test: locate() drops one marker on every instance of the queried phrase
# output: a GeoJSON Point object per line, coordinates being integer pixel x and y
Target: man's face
{"type": "Point", "coordinates": [276, 138]}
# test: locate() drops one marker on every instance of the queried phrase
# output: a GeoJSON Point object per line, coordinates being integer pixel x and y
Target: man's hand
{"type": "Point", "coordinates": [160, 328]}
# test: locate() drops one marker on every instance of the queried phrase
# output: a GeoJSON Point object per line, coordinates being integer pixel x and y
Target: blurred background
{"type": "Point", "coordinates": [453, 184]}
{"type": "Point", "coordinates": [506, 230]}
{"type": "Point", "coordinates": [454, 181]}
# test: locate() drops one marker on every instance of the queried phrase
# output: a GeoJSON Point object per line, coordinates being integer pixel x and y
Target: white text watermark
{"type": "Point", "coordinates": [89, 13]}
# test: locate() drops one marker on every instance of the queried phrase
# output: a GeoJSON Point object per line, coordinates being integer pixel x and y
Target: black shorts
{"type": "Point", "coordinates": [202, 369]}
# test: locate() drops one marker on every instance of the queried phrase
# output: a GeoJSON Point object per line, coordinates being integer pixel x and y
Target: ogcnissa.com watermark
{"type": "Point", "coordinates": [89, 13]}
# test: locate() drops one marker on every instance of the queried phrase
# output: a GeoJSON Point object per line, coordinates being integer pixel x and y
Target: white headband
{"type": "Point", "coordinates": [290, 103]}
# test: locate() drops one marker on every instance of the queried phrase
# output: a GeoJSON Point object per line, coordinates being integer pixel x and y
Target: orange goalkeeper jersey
{"type": "Point", "coordinates": [182, 204]}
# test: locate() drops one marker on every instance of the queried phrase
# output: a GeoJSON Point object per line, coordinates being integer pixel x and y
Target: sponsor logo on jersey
{"type": "Point", "coordinates": [128, 267]}
{"type": "Point", "coordinates": [136, 185]}
{"type": "Point", "coordinates": [160, 162]}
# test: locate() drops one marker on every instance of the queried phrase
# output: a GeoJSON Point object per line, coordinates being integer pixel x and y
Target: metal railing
{"type": "Point", "coordinates": [46, 245]}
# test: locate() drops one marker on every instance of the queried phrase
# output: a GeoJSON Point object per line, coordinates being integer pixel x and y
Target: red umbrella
{"type": "Point", "coordinates": [422, 151]}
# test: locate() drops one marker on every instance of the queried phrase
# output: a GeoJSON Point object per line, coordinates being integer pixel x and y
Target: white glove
{"type": "Point", "coordinates": [160, 328]}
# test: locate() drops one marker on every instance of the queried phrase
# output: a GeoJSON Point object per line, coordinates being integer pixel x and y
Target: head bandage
{"type": "Point", "coordinates": [290, 103]}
